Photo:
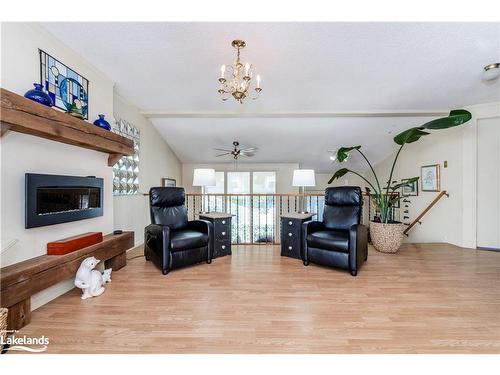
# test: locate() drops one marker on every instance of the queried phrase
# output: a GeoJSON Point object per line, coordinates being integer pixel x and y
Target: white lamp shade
{"type": "Point", "coordinates": [303, 177]}
{"type": "Point", "coordinates": [204, 177]}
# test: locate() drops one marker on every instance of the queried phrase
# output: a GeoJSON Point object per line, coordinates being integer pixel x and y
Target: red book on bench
{"type": "Point", "coordinates": [70, 244]}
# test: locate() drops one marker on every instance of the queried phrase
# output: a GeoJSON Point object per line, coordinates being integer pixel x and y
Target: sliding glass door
{"type": "Point", "coordinates": [238, 201]}
{"type": "Point", "coordinates": [263, 206]}
{"type": "Point", "coordinates": [250, 199]}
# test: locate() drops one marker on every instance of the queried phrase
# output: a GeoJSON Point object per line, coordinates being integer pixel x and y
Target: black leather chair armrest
{"type": "Point", "coordinates": [308, 227]}
{"type": "Point", "coordinates": [157, 235]}
{"type": "Point", "coordinates": [311, 226]}
{"type": "Point", "coordinates": [358, 246]}
{"type": "Point", "coordinates": [155, 232]}
{"type": "Point", "coordinates": [204, 226]}
{"type": "Point", "coordinates": [157, 239]}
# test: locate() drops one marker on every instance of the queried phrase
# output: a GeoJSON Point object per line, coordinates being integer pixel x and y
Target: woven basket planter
{"type": "Point", "coordinates": [387, 238]}
{"type": "Point", "coordinates": [3, 326]}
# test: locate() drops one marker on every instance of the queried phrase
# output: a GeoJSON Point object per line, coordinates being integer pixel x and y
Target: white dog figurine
{"type": "Point", "coordinates": [91, 281]}
{"type": "Point", "coordinates": [106, 275]}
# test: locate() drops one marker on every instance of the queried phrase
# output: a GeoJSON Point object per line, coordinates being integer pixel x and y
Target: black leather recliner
{"type": "Point", "coordinates": [339, 240]}
{"type": "Point", "coordinates": [171, 241]}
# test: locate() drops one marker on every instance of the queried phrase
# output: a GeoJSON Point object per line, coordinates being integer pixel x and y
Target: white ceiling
{"type": "Point", "coordinates": [297, 140]}
{"type": "Point", "coordinates": [305, 67]}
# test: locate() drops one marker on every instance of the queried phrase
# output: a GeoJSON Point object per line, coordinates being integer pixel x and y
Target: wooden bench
{"type": "Point", "coordinates": [18, 282]}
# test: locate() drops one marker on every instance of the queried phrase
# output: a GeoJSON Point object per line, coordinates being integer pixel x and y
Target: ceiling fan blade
{"type": "Point", "coordinates": [244, 147]}
{"type": "Point", "coordinates": [227, 153]}
{"type": "Point", "coordinates": [222, 149]}
{"type": "Point", "coordinates": [249, 149]}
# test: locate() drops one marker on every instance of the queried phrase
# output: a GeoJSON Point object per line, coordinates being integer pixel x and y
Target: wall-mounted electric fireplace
{"type": "Point", "coordinates": [54, 199]}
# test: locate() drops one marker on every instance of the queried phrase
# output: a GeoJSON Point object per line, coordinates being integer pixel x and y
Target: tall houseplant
{"type": "Point", "coordinates": [387, 236]}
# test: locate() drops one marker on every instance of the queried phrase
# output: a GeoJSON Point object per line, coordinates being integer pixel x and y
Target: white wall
{"type": "Point", "coordinates": [453, 219]}
{"type": "Point", "coordinates": [156, 160]}
{"type": "Point", "coordinates": [488, 183]}
{"type": "Point", "coordinates": [348, 180]}
{"type": "Point", "coordinates": [24, 153]}
{"type": "Point", "coordinates": [284, 173]}
{"type": "Point", "coordinates": [469, 170]}
{"type": "Point", "coordinates": [442, 222]}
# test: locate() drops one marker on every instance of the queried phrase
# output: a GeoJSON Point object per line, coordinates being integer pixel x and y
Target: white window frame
{"type": "Point", "coordinates": [251, 179]}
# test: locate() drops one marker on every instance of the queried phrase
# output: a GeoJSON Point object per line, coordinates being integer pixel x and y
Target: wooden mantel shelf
{"type": "Point", "coordinates": [26, 116]}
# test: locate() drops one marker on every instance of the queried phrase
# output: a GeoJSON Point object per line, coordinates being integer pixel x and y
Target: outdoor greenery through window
{"type": "Point", "coordinates": [263, 206]}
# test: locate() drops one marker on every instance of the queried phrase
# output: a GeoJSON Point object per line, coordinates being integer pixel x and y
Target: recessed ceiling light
{"type": "Point", "coordinates": [491, 71]}
{"type": "Point", "coordinates": [333, 155]}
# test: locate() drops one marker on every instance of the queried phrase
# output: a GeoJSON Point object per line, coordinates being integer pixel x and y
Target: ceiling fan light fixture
{"type": "Point", "coordinates": [236, 151]}
{"type": "Point", "coordinates": [491, 72]}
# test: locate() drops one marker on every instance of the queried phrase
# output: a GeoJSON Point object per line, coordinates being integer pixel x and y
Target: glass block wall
{"type": "Point", "coordinates": [126, 171]}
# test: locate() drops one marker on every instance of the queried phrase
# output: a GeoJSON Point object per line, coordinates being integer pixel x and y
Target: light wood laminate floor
{"type": "Point", "coordinates": [431, 298]}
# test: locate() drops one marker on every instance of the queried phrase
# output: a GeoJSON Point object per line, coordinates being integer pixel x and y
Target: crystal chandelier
{"type": "Point", "coordinates": [239, 78]}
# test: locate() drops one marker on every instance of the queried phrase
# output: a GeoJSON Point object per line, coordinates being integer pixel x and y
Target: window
{"type": "Point", "coordinates": [215, 202]}
{"type": "Point", "coordinates": [264, 182]}
{"type": "Point", "coordinates": [238, 182]}
{"type": "Point", "coordinates": [263, 207]}
{"type": "Point", "coordinates": [254, 216]}
{"type": "Point", "coordinates": [243, 183]}
{"type": "Point", "coordinates": [219, 185]}
{"type": "Point", "coordinates": [126, 170]}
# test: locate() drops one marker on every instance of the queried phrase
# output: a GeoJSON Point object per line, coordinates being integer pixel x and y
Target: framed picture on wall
{"type": "Point", "coordinates": [429, 175]}
{"type": "Point", "coordinates": [168, 182]}
{"type": "Point", "coordinates": [410, 189]}
{"type": "Point", "coordinates": [394, 196]}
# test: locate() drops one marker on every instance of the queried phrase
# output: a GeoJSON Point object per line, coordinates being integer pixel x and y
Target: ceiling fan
{"type": "Point", "coordinates": [236, 152]}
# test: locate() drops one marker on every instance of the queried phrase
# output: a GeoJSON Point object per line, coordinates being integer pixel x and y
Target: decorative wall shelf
{"type": "Point", "coordinates": [26, 116]}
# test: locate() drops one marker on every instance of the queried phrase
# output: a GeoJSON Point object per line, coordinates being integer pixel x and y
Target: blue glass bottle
{"type": "Point", "coordinates": [100, 122]}
{"type": "Point", "coordinates": [38, 95]}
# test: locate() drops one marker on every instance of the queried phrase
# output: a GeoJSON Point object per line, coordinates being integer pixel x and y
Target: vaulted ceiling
{"type": "Point", "coordinates": [313, 74]}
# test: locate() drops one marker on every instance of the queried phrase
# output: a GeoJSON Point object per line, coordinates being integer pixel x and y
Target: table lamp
{"type": "Point", "coordinates": [203, 177]}
{"type": "Point", "coordinates": [301, 179]}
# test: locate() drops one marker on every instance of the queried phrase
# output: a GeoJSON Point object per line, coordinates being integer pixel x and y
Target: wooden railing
{"type": "Point", "coordinates": [426, 209]}
{"type": "Point", "coordinates": [256, 217]}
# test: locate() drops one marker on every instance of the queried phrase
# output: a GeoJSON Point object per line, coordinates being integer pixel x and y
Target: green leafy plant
{"type": "Point", "coordinates": [385, 196]}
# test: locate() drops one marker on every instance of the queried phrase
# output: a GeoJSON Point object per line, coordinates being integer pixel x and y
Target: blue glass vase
{"type": "Point", "coordinates": [38, 95]}
{"type": "Point", "coordinates": [100, 122]}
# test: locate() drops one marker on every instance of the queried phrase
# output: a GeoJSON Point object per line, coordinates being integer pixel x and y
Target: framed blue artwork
{"type": "Point", "coordinates": [64, 85]}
